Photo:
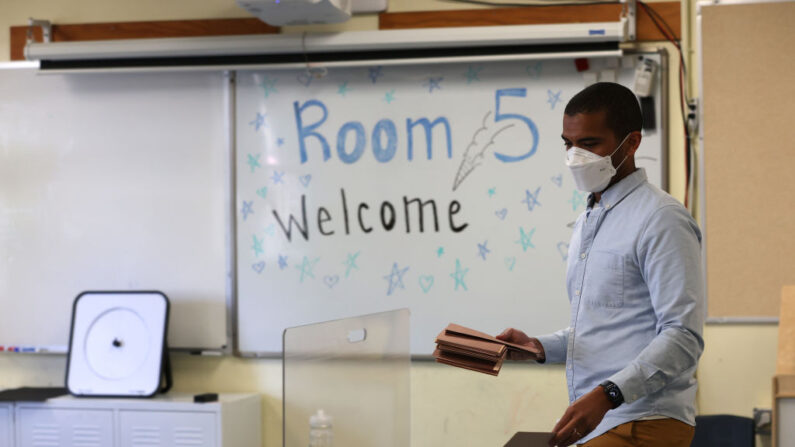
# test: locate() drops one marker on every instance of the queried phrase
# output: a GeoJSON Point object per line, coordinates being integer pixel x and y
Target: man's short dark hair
{"type": "Point", "coordinates": [621, 107]}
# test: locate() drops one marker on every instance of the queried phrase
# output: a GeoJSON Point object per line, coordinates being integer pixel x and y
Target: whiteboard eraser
{"type": "Point", "coordinates": [644, 77]}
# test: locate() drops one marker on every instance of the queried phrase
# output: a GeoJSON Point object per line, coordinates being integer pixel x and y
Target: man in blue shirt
{"type": "Point", "coordinates": [635, 283]}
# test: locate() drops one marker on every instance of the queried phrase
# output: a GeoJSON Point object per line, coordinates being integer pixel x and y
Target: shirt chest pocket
{"type": "Point", "coordinates": [604, 280]}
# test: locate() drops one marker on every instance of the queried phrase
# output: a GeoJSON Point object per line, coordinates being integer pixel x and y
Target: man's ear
{"type": "Point", "coordinates": [633, 142]}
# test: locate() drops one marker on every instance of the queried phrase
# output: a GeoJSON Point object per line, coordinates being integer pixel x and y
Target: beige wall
{"type": "Point", "coordinates": [450, 407]}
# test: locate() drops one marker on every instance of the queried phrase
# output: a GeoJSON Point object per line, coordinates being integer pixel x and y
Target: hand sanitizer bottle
{"type": "Point", "coordinates": [320, 434]}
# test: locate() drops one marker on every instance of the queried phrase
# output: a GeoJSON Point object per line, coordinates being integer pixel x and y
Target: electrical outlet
{"type": "Point", "coordinates": [763, 419]}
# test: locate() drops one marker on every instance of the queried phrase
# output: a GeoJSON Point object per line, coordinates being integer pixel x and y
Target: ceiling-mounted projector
{"type": "Point", "coordinates": [298, 12]}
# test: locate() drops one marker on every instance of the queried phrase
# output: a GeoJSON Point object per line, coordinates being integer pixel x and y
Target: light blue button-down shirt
{"type": "Point", "coordinates": [636, 288]}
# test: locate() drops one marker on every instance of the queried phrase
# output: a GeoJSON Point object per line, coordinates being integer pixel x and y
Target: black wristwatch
{"type": "Point", "coordinates": [613, 393]}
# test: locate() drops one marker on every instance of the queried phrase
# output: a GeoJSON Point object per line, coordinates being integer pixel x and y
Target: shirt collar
{"type": "Point", "coordinates": [616, 193]}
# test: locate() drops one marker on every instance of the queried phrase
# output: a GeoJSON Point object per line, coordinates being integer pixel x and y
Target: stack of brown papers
{"type": "Point", "coordinates": [470, 349]}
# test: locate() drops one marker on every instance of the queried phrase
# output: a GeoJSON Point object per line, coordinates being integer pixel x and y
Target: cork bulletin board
{"type": "Point", "coordinates": [748, 156]}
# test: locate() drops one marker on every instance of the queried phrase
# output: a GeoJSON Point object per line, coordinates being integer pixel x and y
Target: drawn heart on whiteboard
{"type": "Point", "coordinates": [259, 267]}
{"type": "Point", "coordinates": [563, 249]}
{"type": "Point", "coordinates": [510, 262]}
{"type": "Point", "coordinates": [502, 213]}
{"type": "Point", "coordinates": [305, 180]}
{"type": "Point", "coordinates": [304, 78]}
{"type": "Point", "coordinates": [331, 280]}
{"type": "Point", "coordinates": [426, 282]}
{"type": "Point", "coordinates": [558, 179]}
{"type": "Point", "coordinates": [263, 192]}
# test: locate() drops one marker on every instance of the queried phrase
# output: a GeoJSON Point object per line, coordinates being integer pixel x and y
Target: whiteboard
{"type": "Point", "coordinates": [112, 182]}
{"type": "Point", "coordinates": [479, 142]}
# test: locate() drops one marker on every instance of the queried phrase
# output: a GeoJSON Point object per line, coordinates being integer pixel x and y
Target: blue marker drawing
{"type": "Point", "coordinates": [247, 208]}
{"type": "Point", "coordinates": [395, 278]}
{"type": "Point", "coordinates": [502, 213]}
{"type": "Point", "coordinates": [426, 282]}
{"type": "Point", "coordinates": [483, 250]}
{"type": "Point", "coordinates": [534, 70]}
{"type": "Point", "coordinates": [459, 275]}
{"type": "Point", "coordinates": [577, 200]}
{"type": "Point", "coordinates": [270, 230]}
{"type": "Point", "coordinates": [439, 252]}
{"type": "Point", "coordinates": [558, 180]}
{"type": "Point", "coordinates": [253, 161]}
{"type": "Point", "coordinates": [280, 142]}
{"type": "Point", "coordinates": [263, 192]}
{"type": "Point", "coordinates": [563, 249]}
{"type": "Point", "coordinates": [259, 266]}
{"type": "Point", "coordinates": [492, 191]}
{"type": "Point", "coordinates": [282, 262]}
{"type": "Point", "coordinates": [531, 199]}
{"type": "Point", "coordinates": [306, 268]}
{"type": "Point", "coordinates": [268, 86]}
{"type": "Point", "coordinates": [343, 89]}
{"type": "Point", "coordinates": [433, 84]}
{"type": "Point", "coordinates": [331, 280]}
{"type": "Point", "coordinates": [305, 179]}
{"type": "Point", "coordinates": [472, 74]}
{"type": "Point", "coordinates": [350, 263]}
{"type": "Point", "coordinates": [304, 78]}
{"type": "Point", "coordinates": [259, 121]}
{"type": "Point", "coordinates": [257, 247]}
{"type": "Point", "coordinates": [510, 263]}
{"type": "Point", "coordinates": [525, 239]}
{"type": "Point", "coordinates": [389, 96]}
{"type": "Point", "coordinates": [375, 73]}
{"type": "Point", "coordinates": [553, 98]}
{"type": "Point", "coordinates": [277, 177]}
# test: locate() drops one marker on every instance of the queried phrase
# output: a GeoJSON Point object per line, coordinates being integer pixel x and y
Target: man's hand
{"type": "Point", "coordinates": [518, 337]}
{"type": "Point", "coordinates": [581, 418]}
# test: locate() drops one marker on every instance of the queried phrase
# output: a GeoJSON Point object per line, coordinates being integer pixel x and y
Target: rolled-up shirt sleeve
{"type": "Point", "coordinates": [669, 254]}
{"type": "Point", "coordinates": [555, 346]}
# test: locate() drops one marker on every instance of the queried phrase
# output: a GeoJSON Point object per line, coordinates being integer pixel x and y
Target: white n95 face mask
{"type": "Point", "coordinates": [592, 173]}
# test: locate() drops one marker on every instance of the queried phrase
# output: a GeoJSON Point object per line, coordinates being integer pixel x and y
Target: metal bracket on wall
{"type": "Point", "coordinates": [46, 30]}
{"type": "Point", "coordinates": [629, 15]}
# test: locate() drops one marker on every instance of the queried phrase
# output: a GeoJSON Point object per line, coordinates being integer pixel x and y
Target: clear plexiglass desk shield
{"type": "Point", "coordinates": [357, 370]}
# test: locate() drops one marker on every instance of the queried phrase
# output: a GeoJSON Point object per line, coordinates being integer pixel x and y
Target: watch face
{"type": "Point", "coordinates": [613, 394]}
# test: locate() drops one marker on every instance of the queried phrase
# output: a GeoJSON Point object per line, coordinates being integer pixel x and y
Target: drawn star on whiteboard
{"type": "Point", "coordinates": [375, 73]}
{"type": "Point", "coordinates": [534, 70]}
{"type": "Point", "coordinates": [472, 74]}
{"type": "Point", "coordinates": [350, 263]}
{"type": "Point", "coordinates": [439, 252]}
{"type": "Point", "coordinates": [343, 88]}
{"type": "Point", "coordinates": [277, 177]}
{"type": "Point", "coordinates": [531, 199]}
{"type": "Point", "coordinates": [433, 84]}
{"type": "Point", "coordinates": [492, 191]}
{"type": "Point", "coordinates": [526, 239]}
{"type": "Point", "coordinates": [389, 96]}
{"type": "Point", "coordinates": [268, 86]}
{"type": "Point", "coordinates": [259, 121]}
{"type": "Point", "coordinates": [577, 200]}
{"type": "Point", "coordinates": [395, 278]}
{"type": "Point", "coordinates": [257, 247]}
{"type": "Point", "coordinates": [483, 250]}
{"type": "Point", "coordinates": [280, 142]}
{"type": "Point", "coordinates": [247, 208]}
{"type": "Point", "coordinates": [459, 275]}
{"type": "Point", "coordinates": [553, 98]}
{"type": "Point", "coordinates": [306, 267]}
{"type": "Point", "coordinates": [282, 262]}
{"type": "Point", "coordinates": [253, 161]}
